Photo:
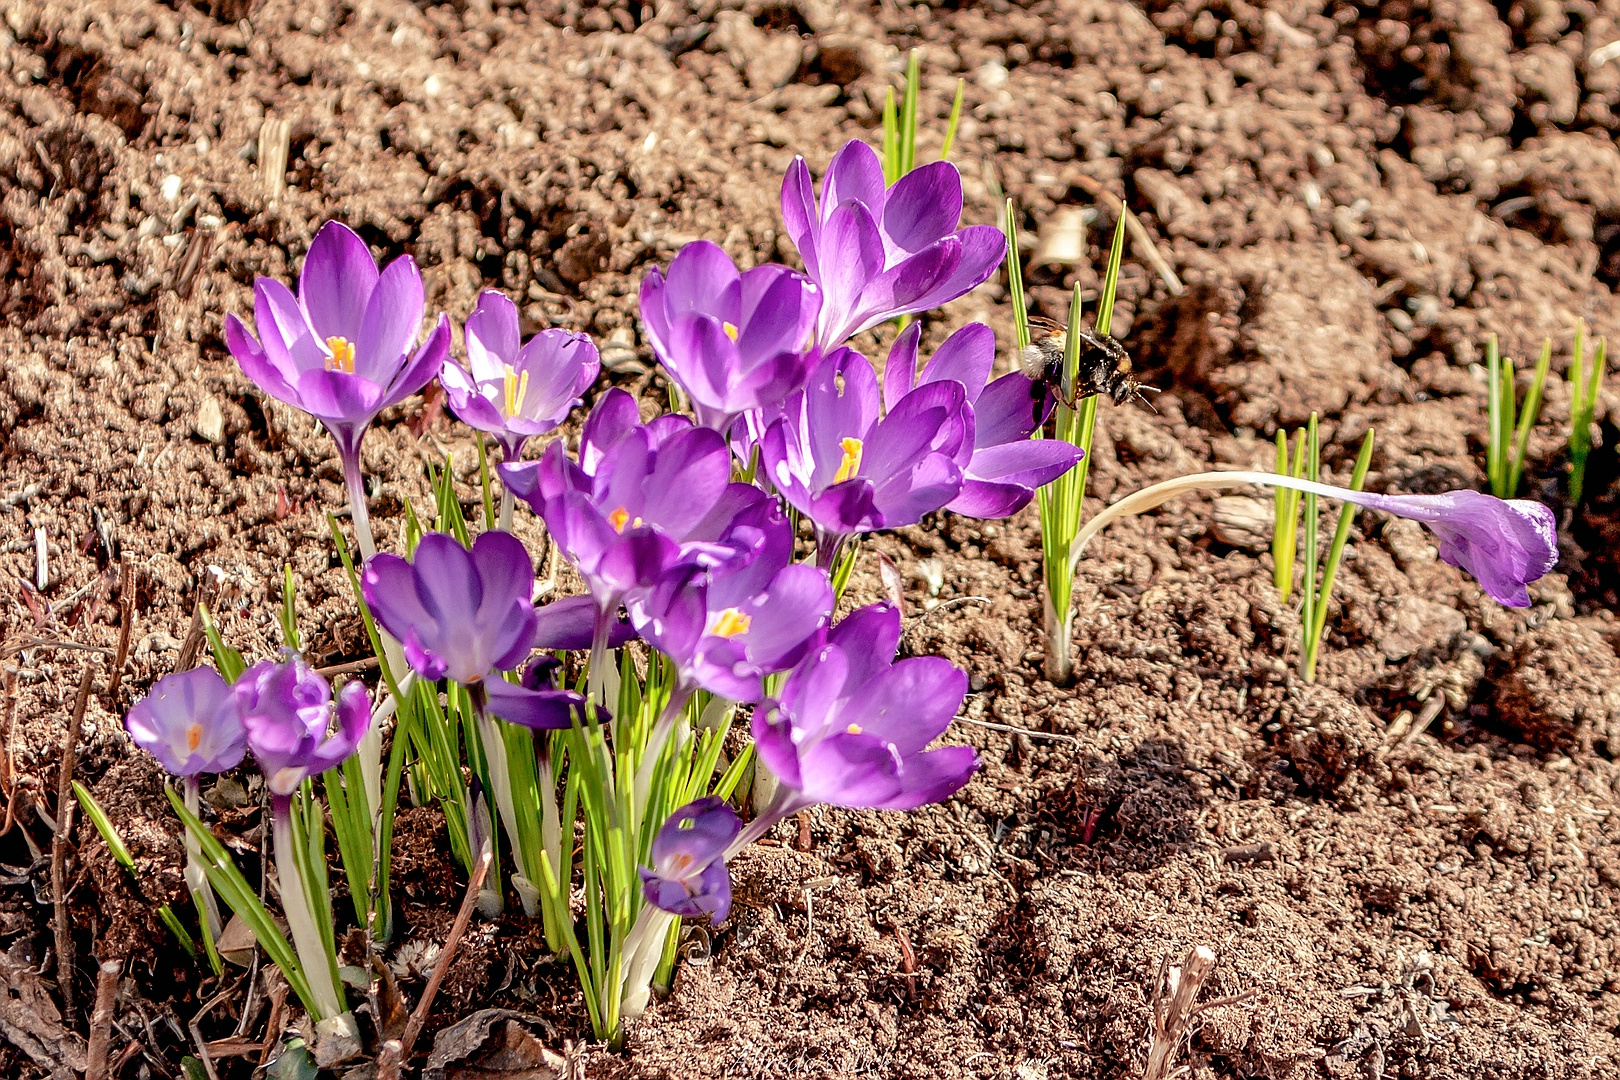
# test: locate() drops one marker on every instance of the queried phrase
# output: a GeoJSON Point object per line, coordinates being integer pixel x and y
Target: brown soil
{"type": "Point", "coordinates": [1355, 196]}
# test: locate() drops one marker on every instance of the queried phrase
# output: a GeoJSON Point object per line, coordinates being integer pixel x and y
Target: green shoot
{"type": "Point", "coordinates": [1583, 394]}
{"type": "Point", "coordinates": [951, 124]}
{"type": "Point", "coordinates": [900, 125]}
{"type": "Point", "coordinates": [1061, 501]}
{"type": "Point", "coordinates": [1509, 423]}
{"type": "Point", "coordinates": [1305, 464]}
{"type": "Point", "coordinates": [289, 615]}
{"type": "Point", "coordinates": [1330, 570]}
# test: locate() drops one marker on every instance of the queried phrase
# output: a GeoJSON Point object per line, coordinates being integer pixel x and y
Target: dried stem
{"type": "Point", "coordinates": [419, 1016]}
{"type": "Point", "coordinates": [1171, 1019]}
{"type": "Point", "coordinates": [59, 844]}
{"type": "Point", "coordinates": [95, 1067]}
{"type": "Point", "coordinates": [126, 625]}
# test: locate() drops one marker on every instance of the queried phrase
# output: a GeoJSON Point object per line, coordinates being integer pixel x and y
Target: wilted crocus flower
{"type": "Point", "coordinates": [1007, 466]}
{"type": "Point", "coordinates": [341, 350]}
{"type": "Point", "coordinates": [286, 709]}
{"type": "Point", "coordinates": [516, 389]}
{"type": "Point", "coordinates": [732, 341]}
{"type": "Point", "coordinates": [637, 495]}
{"type": "Point", "coordinates": [189, 723]}
{"type": "Point", "coordinates": [833, 458]}
{"type": "Point", "coordinates": [851, 727]}
{"type": "Point", "coordinates": [688, 875]}
{"type": "Point", "coordinates": [879, 252]}
{"type": "Point", "coordinates": [463, 615]}
{"type": "Point", "coordinates": [1504, 543]}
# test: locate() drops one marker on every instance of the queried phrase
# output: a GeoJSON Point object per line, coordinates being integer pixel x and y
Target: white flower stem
{"type": "Point", "coordinates": [308, 940]}
{"type": "Point", "coordinates": [500, 780]}
{"type": "Point", "coordinates": [1161, 493]}
{"type": "Point", "coordinates": [196, 876]}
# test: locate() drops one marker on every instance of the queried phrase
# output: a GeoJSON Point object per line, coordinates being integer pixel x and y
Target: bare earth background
{"type": "Point", "coordinates": [1354, 194]}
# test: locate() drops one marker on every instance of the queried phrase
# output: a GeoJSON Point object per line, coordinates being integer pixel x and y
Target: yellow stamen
{"type": "Point", "coordinates": [731, 623]}
{"type": "Point", "coordinates": [342, 355]}
{"type": "Point", "coordinates": [193, 737]}
{"type": "Point", "coordinates": [852, 460]}
{"type": "Point", "coordinates": [730, 329]}
{"type": "Point", "coordinates": [618, 519]}
{"type": "Point", "coordinates": [517, 388]}
{"type": "Point", "coordinates": [854, 729]}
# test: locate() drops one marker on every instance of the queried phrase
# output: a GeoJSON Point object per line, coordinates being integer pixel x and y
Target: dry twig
{"type": "Point", "coordinates": [1172, 1019]}
{"type": "Point", "coordinates": [396, 1051]}
{"type": "Point", "coordinates": [1139, 234]}
{"type": "Point", "coordinates": [59, 843]}
{"type": "Point", "coordinates": [126, 625]}
{"type": "Point", "coordinates": [95, 1067]}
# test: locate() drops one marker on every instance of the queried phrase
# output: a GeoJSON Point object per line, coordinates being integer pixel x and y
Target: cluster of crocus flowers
{"type": "Point", "coordinates": [683, 531]}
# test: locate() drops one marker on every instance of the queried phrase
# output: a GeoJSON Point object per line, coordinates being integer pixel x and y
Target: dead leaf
{"type": "Point", "coordinates": [30, 1021]}
{"type": "Point", "coordinates": [891, 582]}
{"type": "Point", "coordinates": [493, 1044]}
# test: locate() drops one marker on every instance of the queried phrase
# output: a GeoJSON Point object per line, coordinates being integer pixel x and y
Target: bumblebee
{"type": "Point", "coordinates": [1105, 366]}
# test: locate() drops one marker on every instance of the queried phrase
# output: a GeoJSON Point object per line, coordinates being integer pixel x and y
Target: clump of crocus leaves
{"type": "Point", "coordinates": [601, 725]}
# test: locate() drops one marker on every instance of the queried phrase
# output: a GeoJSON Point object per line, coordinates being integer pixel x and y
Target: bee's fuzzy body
{"type": "Point", "coordinates": [1105, 366]}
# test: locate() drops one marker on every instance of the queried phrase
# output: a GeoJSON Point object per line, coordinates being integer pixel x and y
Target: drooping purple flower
{"type": "Point", "coordinates": [688, 875]}
{"type": "Point", "coordinates": [1504, 543]}
{"type": "Point", "coordinates": [639, 495]}
{"type": "Point", "coordinates": [743, 611]}
{"type": "Point", "coordinates": [834, 459]}
{"type": "Point", "coordinates": [189, 723]}
{"type": "Point", "coordinates": [877, 251]}
{"type": "Point", "coordinates": [341, 350]}
{"type": "Point", "coordinates": [569, 623]}
{"type": "Point", "coordinates": [1007, 465]}
{"type": "Point", "coordinates": [732, 341]}
{"type": "Point", "coordinates": [851, 727]}
{"type": "Point", "coordinates": [516, 389]}
{"type": "Point", "coordinates": [286, 710]}
{"type": "Point", "coordinates": [464, 615]}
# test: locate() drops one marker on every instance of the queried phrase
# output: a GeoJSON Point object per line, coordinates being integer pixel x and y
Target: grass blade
{"type": "Point", "coordinates": [1341, 536]}
{"type": "Point", "coordinates": [1527, 418]}
{"type": "Point", "coordinates": [950, 126]}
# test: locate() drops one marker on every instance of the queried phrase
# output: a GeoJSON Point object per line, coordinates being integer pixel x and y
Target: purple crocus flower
{"type": "Point", "coordinates": [732, 341]}
{"type": "Point", "coordinates": [639, 493]}
{"type": "Point", "coordinates": [851, 726]}
{"type": "Point", "coordinates": [877, 251]}
{"type": "Point", "coordinates": [286, 710]}
{"type": "Point", "coordinates": [743, 611]}
{"type": "Point", "coordinates": [833, 458]}
{"type": "Point", "coordinates": [516, 389]}
{"type": "Point", "coordinates": [688, 875]}
{"type": "Point", "coordinates": [189, 723]}
{"type": "Point", "coordinates": [341, 350]}
{"type": "Point", "coordinates": [464, 615]}
{"type": "Point", "coordinates": [1007, 465]}
{"type": "Point", "coordinates": [1504, 543]}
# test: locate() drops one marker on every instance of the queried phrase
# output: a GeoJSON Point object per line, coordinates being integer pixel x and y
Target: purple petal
{"type": "Point", "coordinates": [851, 253]}
{"type": "Point", "coordinates": [900, 370]}
{"type": "Point", "coordinates": [393, 316]}
{"type": "Point", "coordinates": [493, 337]}
{"type": "Point", "coordinates": [189, 722]}
{"type": "Point", "coordinates": [615, 416]}
{"type": "Point", "coordinates": [426, 363]}
{"type": "Point", "coordinates": [1009, 410]}
{"type": "Point", "coordinates": [923, 206]}
{"type": "Point", "coordinates": [799, 215]}
{"type": "Point", "coordinates": [933, 776]}
{"type": "Point", "coordinates": [703, 278]}
{"type": "Point", "coordinates": [909, 704]}
{"type": "Point", "coordinates": [701, 831]}
{"type": "Point", "coordinates": [540, 709]}
{"type": "Point", "coordinates": [337, 280]}
{"type": "Point", "coordinates": [773, 742]}
{"type": "Point", "coordinates": [967, 356]}
{"type": "Point", "coordinates": [256, 364]}
{"type": "Point", "coordinates": [856, 771]}
{"type": "Point", "coordinates": [854, 173]}
{"type": "Point", "coordinates": [868, 637]}
{"type": "Point", "coordinates": [569, 624]}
